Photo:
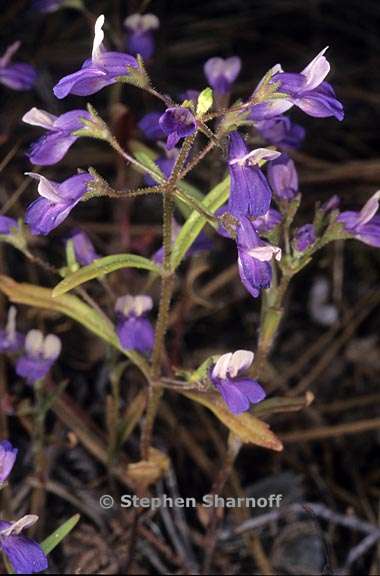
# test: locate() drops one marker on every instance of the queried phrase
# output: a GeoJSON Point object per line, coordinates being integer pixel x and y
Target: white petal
{"type": "Point", "coordinates": [241, 360]}
{"type": "Point", "coordinates": [37, 117]}
{"type": "Point", "coordinates": [45, 188]}
{"type": "Point", "coordinates": [52, 347]}
{"type": "Point", "coordinates": [17, 527]}
{"type": "Point", "coordinates": [34, 342]}
{"type": "Point", "coordinates": [369, 209]}
{"type": "Point", "coordinates": [150, 22]}
{"type": "Point", "coordinates": [97, 48]}
{"type": "Point", "coordinates": [316, 71]}
{"type": "Point", "coordinates": [221, 367]}
{"type": "Point", "coordinates": [265, 253]}
{"type": "Point", "coordinates": [142, 304]}
{"type": "Point", "coordinates": [256, 156]}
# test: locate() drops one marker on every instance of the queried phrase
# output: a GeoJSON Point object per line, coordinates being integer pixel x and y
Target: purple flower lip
{"type": "Point", "coordinates": [18, 76]}
{"type": "Point", "coordinates": [134, 330]}
{"type": "Point", "coordinates": [254, 257]}
{"type": "Point", "coordinates": [250, 194]}
{"type": "Point", "coordinates": [60, 136]}
{"type": "Point", "coordinates": [10, 339]}
{"type": "Point", "coordinates": [364, 225]}
{"type": "Point", "coordinates": [56, 202]}
{"type": "Point", "coordinates": [102, 69]}
{"type": "Point", "coordinates": [8, 456]}
{"type": "Point", "coordinates": [177, 122]}
{"type": "Point", "coordinates": [237, 391]}
{"type": "Point", "coordinates": [40, 354]}
{"type": "Point", "coordinates": [25, 555]}
{"type": "Point", "coordinates": [221, 74]}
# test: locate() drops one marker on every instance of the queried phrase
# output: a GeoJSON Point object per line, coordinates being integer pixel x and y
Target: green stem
{"type": "Point", "coordinates": [40, 464]}
{"type": "Point", "coordinates": [167, 284]}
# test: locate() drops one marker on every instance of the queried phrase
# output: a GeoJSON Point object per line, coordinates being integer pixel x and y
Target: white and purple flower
{"type": "Point", "coordinates": [364, 225]}
{"type": "Point", "coordinates": [40, 354]}
{"type": "Point", "coordinates": [238, 391]}
{"type": "Point", "coordinates": [283, 177]}
{"type": "Point", "coordinates": [250, 193]}
{"type": "Point", "coordinates": [25, 555]}
{"type": "Point", "coordinates": [8, 456]}
{"type": "Point", "coordinates": [134, 330]}
{"type": "Point", "coordinates": [141, 29]}
{"type": "Point", "coordinates": [10, 339]}
{"type": "Point", "coordinates": [307, 90]}
{"type": "Point", "coordinates": [268, 222]}
{"type": "Point", "coordinates": [56, 202]}
{"type": "Point", "coordinates": [254, 258]}
{"type": "Point", "coordinates": [16, 75]}
{"type": "Point", "coordinates": [52, 147]}
{"type": "Point", "coordinates": [177, 122]}
{"type": "Point", "coordinates": [222, 73]}
{"type": "Point", "coordinates": [102, 69]}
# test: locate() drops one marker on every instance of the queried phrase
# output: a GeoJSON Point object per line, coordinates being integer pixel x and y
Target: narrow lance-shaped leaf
{"type": "Point", "coordinates": [58, 535]}
{"type": "Point", "coordinates": [103, 266]}
{"type": "Point", "coordinates": [245, 426]}
{"type": "Point", "coordinates": [196, 222]}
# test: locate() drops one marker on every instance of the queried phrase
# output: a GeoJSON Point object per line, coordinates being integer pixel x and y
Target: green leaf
{"type": "Point", "coordinates": [205, 100]}
{"type": "Point", "coordinates": [103, 266]}
{"type": "Point", "coordinates": [246, 427]}
{"type": "Point", "coordinates": [73, 307]}
{"type": "Point", "coordinates": [58, 535]}
{"type": "Point", "coordinates": [196, 222]}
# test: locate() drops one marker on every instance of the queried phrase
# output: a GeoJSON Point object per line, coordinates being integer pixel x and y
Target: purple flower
{"type": "Point", "coordinates": [46, 6]}
{"type": "Point", "coordinates": [150, 126]}
{"type": "Point", "coordinates": [25, 555]}
{"type": "Point", "coordinates": [56, 202]}
{"type": "Point", "coordinates": [84, 250]}
{"type": "Point", "coordinates": [140, 34]}
{"type": "Point", "coordinates": [8, 456]}
{"type": "Point", "coordinates": [304, 237]}
{"type": "Point", "coordinates": [201, 244]}
{"type": "Point", "coordinates": [134, 330]}
{"type": "Point", "coordinates": [331, 204]}
{"type": "Point", "coordinates": [283, 177]}
{"type": "Point", "coordinates": [254, 256]}
{"type": "Point", "coordinates": [52, 147]}
{"type": "Point", "coordinates": [102, 69]}
{"type": "Point", "coordinates": [238, 391]}
{"type": "Point", "coordinates": [18, 76]}
{"type": "Point", "coordinates": [250, 193]}
{"type": "Point", "coordinates": [10, 339]}
{"type": "Point", "coordinates": [7, 224]}
{"type": "Point", "coordinates": [40, 354]}
{"type": "Point", "coordinates": [177, 122]}
{"type": "Point", "coordinates": [267, 223]}
{"type": "Point", "coordinates": [221, 74]}
{"type": "Point", "coordinates": [281, 131]}
{"type": "Point", "coordinates": [364, 225]}
{"type": "Point", "coordinates": [307, 90]}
